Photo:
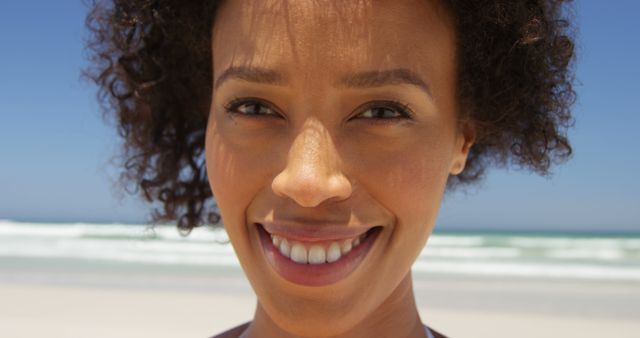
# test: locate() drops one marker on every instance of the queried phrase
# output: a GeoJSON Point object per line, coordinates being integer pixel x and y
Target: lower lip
{"type": "Point", "coordinates": [316, 274]}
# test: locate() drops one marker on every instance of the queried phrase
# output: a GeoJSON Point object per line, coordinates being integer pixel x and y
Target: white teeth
{"type": "Point", "coordinates": [285, 250]}
{"type": "Point", "coordinates": [299, 253]}
{"type": "Point", "coordinates": [333, 254]}
{"type": "Point", "coordinates": [276, 240]}
{"type": "Point", "coordinates": [317, 255]}
{"type": "Point", "coordinates": [346, 247]}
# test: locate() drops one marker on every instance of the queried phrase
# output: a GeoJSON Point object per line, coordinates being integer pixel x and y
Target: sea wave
{"type": "Point", "coordinates": [539, 270]}
{"type": "Point", "coordinates": [550, 256]}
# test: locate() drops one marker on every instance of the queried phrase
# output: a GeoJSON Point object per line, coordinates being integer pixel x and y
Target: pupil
{"type": "Point", "coordinates": [381, 112]}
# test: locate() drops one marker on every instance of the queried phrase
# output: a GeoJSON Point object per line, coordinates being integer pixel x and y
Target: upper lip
{"type": "Point", "coordinates": [316, 231]}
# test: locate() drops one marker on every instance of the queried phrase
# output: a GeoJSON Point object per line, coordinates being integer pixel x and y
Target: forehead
{"type": "Point", "coordinates": [322, 38]}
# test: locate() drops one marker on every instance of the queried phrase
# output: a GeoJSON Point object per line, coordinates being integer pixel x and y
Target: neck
{"type": "Point", "coordinates": [397, 316]}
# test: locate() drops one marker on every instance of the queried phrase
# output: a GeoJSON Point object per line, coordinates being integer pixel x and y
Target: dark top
{"type": "Point", "coordinates": [237, 331]}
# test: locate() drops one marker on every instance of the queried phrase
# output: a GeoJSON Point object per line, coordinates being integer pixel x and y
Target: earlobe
{"type": "Point", "coordinates": [465, 139]}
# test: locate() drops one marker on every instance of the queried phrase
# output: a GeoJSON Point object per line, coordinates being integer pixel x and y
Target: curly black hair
{"type": "Point", "coordinates": [151, 60]}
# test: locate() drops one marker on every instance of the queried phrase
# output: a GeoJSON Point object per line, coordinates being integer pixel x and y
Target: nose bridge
{"type": "Point", "coordinates": [312, 172]}
{"type": "Point", "coordinates": [312, 152]}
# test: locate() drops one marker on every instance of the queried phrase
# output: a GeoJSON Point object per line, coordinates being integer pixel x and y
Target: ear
{"type": "Point", "coordinates": [466, 136]}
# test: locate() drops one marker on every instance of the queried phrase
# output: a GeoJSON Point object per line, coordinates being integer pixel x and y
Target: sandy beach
{"type": "Point", "coordinates": [87, 280]}
{"type": "Point", "coordinates": [106, 301]}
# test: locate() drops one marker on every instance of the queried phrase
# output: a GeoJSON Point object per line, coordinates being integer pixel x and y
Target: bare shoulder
{"type": "Point", "coordinates": [234, 332]}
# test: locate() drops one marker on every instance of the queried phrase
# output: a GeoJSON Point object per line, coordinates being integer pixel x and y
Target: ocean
{"type": "Point", "coordinates": [575, 256]}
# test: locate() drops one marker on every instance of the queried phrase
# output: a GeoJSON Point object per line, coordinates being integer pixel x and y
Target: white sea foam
{"type": "Point", "coordinates": [566, 242]}
{"type": "Point", "coordinates": [115, 242]}
{"type": "Point", "coordinates": [584, 253]}
{"type": "Point", "coordinates": [80, 230]}
{"type": "Point", "coordinates": [480, 252]}
{"type": "Point", "coordinates": [519, 269]}
{"type": "Point", "coordinates": [491, 254]}
{"type": "Point", "coordinates": [449, 241]}
{"type": "Point", "coordinates": [124, 251]}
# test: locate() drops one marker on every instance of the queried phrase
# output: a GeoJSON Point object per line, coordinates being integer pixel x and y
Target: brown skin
{"type": "Point", "coordinates": [316, 152]}
{"type": "Point", "coordinates": [152, 63]}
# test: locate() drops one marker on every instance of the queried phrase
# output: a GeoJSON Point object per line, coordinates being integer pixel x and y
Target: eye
{"type": "Point", "coordinates": [250, 108]}
{"type": "Point", "coordinates": [385, 111]}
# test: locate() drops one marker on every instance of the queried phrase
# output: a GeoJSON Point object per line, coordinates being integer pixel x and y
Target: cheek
{"type": "Point", "coordinates": [417, 185]}
{"type": "Point", "coordinates": [231, 174]}
{"type": "Point", "coordinates": [418, 189]}
{"type": "Point", "coordinates": [409, 182]}
{"type": "Point", "coordinates": [240, 167]}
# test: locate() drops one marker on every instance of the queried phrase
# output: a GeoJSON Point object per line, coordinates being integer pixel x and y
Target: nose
{"type": "Point", "coordinates": [312, 174]}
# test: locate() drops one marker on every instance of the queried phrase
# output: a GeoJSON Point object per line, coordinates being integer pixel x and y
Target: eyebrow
{"type": "Point", "coordinates": [251, 74]}
{"type": "Point", "coordinates": [367, 79]}
{"type": "Point", "coordinates": [379, 78]}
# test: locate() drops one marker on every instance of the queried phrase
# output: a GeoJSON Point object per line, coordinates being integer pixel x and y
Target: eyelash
{"type": "Point", "coordinates": [403, 110]}
{"type": "Point", "coordinates": [233, 106]}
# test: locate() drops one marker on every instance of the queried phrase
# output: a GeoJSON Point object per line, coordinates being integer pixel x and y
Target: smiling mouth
{"type": "Point", "coordinates": [316, 261]}
{"type": "Point", "coordinates": [317, 252]}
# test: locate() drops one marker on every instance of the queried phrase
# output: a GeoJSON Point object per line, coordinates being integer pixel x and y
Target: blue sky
{"type": "Point", "coordinates": [55, 147]}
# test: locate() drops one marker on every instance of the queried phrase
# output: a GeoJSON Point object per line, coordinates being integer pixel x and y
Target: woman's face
{"type": "Point", "coordinates": [331, 121]}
